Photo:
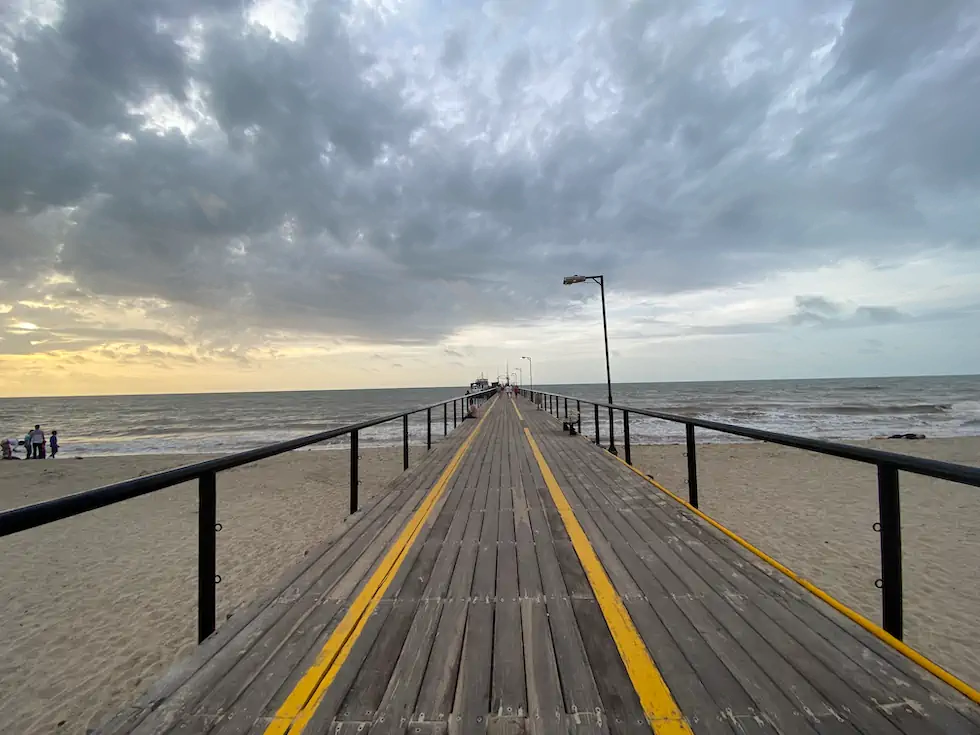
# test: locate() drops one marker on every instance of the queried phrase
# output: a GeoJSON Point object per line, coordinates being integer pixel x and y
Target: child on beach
{"type": "Point", "coordinates": [54, 443]}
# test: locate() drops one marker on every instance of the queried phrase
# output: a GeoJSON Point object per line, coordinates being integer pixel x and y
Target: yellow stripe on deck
{"type": "Point", "coordinates": [658, 704]}
{"type": "Point", "coordinates": [299, 707]}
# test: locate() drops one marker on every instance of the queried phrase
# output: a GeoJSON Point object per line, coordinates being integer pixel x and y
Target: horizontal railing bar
{"type": "Point", "coordinates": [961, 473]}
{"type": "Point", "coordinates": [57, 509]}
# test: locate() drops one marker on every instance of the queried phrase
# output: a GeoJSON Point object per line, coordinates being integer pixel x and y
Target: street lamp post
{"type": "Point", "coordinates": [530, 371]}
{"type": "Point", "coordinates": [520, 375]}
{"type": "Point", "coordinates": [569, 281]}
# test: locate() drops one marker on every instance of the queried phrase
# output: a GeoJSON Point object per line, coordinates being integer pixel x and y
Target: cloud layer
{"type": "Point", "coordinates": [232, 175]}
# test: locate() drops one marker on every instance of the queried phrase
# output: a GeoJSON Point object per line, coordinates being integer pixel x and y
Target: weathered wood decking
{"type": "Point", "coordinates": [492, 619]}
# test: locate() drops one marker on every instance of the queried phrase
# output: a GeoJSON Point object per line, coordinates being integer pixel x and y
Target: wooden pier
{"type": "Point", "coordinates": [520, 580]}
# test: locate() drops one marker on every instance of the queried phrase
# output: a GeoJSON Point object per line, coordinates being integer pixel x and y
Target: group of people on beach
{"type": "Point", "coordinates": [35, 445]}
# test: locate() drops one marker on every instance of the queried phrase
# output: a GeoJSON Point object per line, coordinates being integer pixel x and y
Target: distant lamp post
{"type": "Point", "coordinates": [520, 376]}
{"type": "Point", "coordinates": [530, 371]}
{"type": "Point", "coordinates": [570, 281]}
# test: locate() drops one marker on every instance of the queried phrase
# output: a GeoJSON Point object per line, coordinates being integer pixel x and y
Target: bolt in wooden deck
{"type": "Point", "coordinates": [493, 620]}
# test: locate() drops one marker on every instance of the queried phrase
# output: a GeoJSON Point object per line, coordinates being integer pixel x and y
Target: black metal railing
{"type": "Point", "coordinates": [40, 514]}
{"type": "Point", "coordinates": [889, 464]}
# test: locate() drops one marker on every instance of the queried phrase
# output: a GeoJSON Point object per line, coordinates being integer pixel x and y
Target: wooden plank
{"type": "Point", "coordinates": [621, 706]}
{"type": "Point", "coordinates": [544, 698]}
{"type": "Point", "coordinates": [438, 690]}
{"type": "Point", "coordinates": [508, 690]}
{"type": "Point", "coordinates": [187, 681]}
{"type": "Point", "coordinates": [754, 679]}
{"type": "Point", "coordinates": [214, 655]}
{"type": "Point", "coordinates": [687, 688]}
{"type": "Point", "coordinates": [578, 686]}
{"type": "Point", "coordinates": [472, 704]}
{"type": "Point", "coordinates": [507, 725]}
{"type": "Point", "coordinates": [398, 705]}
{"type": "Point", "coordinates": [740, 614]}
{"type": "Point", "coordinates": [822, 673]}
{"type": "Point", "coordinates": [375, 674]}
{"type": "Point", "coordinates": [268, 673]}
{"type": "Point", "coordinates": [427, 728]}
{"type": "Point", "coordinates": [727, 694]}
{"type": "Point", "coordinates": [857, 665]}
{"type": "Point", "coordinates": [347, 674]}
{"type": "Point", "coordinates": [250, 654]}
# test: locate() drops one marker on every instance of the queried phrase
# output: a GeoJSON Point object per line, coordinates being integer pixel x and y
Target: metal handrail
{"type": "Point", "coordinates": [27, 517]}
{"type": "Point", "coordinates": [889, 464]}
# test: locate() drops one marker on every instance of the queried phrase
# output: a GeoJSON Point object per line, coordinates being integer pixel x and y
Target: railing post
{"type": "Point", "coordinates": [578, 410]}
{"type": "Point", "coordinates": [353, 472]}
{"type": "Point", "coordinates": [405, 441]}
{"type": "Point", "coordinates": [454, 413]}
{"type": "Point", "coordinates": [889, 518]}
{"type": "Point", "coordinates": [692, 466]}
{"type": "Point", "coordinates": [445, 420]}
{"type": "Point", "coordinates": [428, 428]}
{"type": "Point", "coordinates": [626, 435]}
{"type": "Point", "coordinates": [207, 527]}
{"type": "Point", "coordinates": [566, 409]}
{"type": "Point", "coordinates": [596, 407]}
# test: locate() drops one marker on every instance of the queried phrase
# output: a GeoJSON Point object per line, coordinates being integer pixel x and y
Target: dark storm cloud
{"type": "Point", "coordinates": [342, 184]}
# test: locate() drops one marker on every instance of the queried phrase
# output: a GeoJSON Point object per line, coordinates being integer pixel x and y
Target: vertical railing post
{"type": "Point", "coordinates": [890, 527]}
{"type": "Point", "coordinates": [692, 466]}
{"type": "Point", "coordinates": [445, 420]}
{"type": "Point", "coordinates": [454, 413]}
{"type": "Point", "coordinates": [578, 410]}
{"type": "Point", "coordinates": [353, 471]}
{"type": "Point", "coordinates": [596, 407]}
{"type": "Point", "coordinates": [566, 409]}
{"type": "Point", "coordinates": [428, 428]}
{"type": "Point", "coordinates": [405, 441]}
{"type": "Point", "coordinates": [626, 435]}
{"type": "Point", "coordinates": [207, 528]}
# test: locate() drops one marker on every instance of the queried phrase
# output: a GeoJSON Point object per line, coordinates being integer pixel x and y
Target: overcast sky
{"type": "Point", "coordinates": [203, 195]}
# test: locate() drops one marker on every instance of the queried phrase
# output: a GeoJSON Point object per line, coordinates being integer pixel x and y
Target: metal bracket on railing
{"type": "Point", "coordinates": [876, 526]}
{"type": "Point", "coordinates": [218, 527]}
{"type": "Point", "coordinates": [217, 579]}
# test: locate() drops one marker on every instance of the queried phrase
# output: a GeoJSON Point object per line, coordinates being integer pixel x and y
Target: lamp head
{"type": "Point", "coordinates": [569, 280]}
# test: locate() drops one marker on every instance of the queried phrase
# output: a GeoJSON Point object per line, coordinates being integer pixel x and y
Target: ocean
{"type": "Point", "coordinates": [227, 422]}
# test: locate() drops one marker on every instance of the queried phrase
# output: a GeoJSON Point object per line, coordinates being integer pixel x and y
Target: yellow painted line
{"type": "Point", "coordinates": [300, 705]}
{"type": "Point", "coordinates": [521, 418]}
{"type": "Point", "coordinates": [910, 653]}
{"type": "Point", "coordinates": [658, 704]}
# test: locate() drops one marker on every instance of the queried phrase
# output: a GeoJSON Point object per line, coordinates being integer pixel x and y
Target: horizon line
{"type": "Point", "coordinates": [449, 387]}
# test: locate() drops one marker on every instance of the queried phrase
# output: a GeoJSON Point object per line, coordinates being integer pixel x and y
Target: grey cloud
{"type": "Point", "coordinates": [819, 311]}
{"type": "Point", "coordinates": [885, 39]}
{"type": "Point", "coordinates": [453, 49]}
{"type": "Point", "coordinates": [329, 189]}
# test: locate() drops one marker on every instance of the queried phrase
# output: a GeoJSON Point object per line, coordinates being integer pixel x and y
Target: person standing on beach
{"type": "Point", "coordinates": [28, 447]}
{"type": "Point", "coordinates": [54, 443]}
{"type": "Point", "coordinates": [37, 442]}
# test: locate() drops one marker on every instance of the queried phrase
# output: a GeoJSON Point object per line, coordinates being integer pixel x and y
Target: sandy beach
{"type": "Point", "coordinates": [96, 607]}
